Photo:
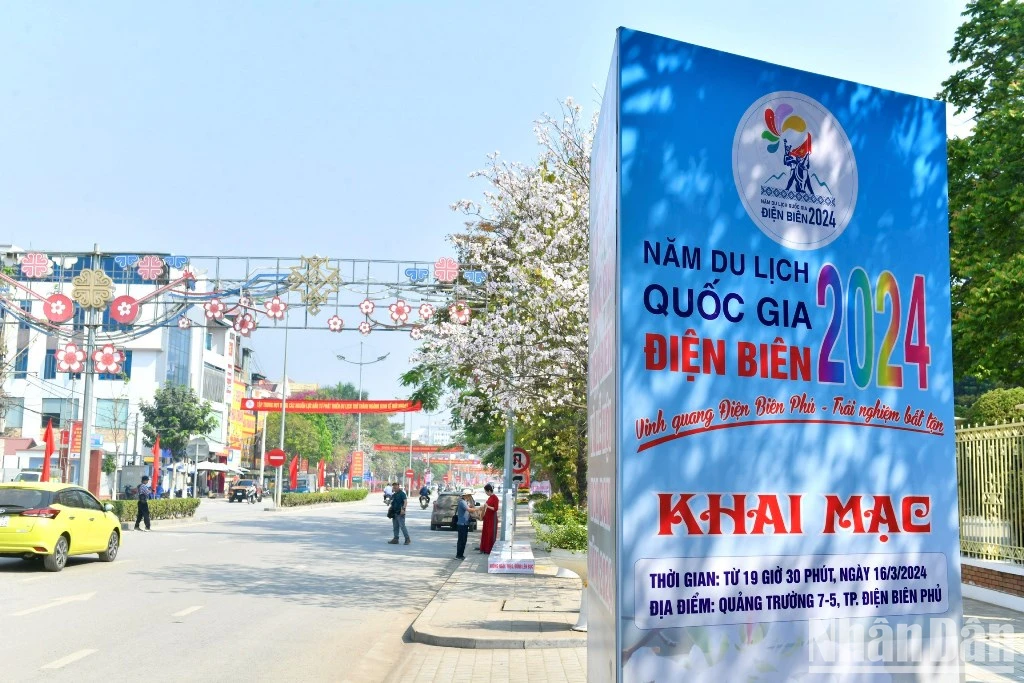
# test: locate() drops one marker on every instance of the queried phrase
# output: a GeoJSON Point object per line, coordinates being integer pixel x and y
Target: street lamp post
{"type": "Point", "coordinates": [359, 416]}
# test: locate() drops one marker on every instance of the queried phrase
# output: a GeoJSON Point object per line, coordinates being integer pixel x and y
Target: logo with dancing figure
{"type": "Point", "coordinates": [795, 170]}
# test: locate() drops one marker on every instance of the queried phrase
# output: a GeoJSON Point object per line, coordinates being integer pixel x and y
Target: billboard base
{"type": "Point", "coordinates": [509, 558]}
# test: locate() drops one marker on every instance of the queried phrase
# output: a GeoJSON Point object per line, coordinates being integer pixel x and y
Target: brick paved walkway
{"type": "Point", "coordinates": [429, 664]}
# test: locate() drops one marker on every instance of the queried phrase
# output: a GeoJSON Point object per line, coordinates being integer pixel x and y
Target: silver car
{"type": "Point", "coordinates": [443, 515]}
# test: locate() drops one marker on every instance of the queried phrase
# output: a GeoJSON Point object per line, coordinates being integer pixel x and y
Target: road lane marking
{"type": "Point", "coordinates": [55, 603]}
{"type": "Point", "coordinates": [187, 611]}
{"type": "Point", "coordinates": [180, 550]}
{"type": "Point", "coordinates": [34, 578]}
{"type": "Point", "coordinates": [73, 657]}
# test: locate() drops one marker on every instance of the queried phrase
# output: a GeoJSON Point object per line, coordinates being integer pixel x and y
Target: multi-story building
{"type": "Point", "coordinates": [208, 358]}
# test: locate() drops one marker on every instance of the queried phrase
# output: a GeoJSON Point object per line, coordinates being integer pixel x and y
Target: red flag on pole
{"type": "Point", "coordinates": [293, 473]}
{"type": "Point", "coordinates": [156, 463]}
{"type": "Point", "coordinates": [321, 472]}
{"type": "Point", "coordinates": [48, 440]}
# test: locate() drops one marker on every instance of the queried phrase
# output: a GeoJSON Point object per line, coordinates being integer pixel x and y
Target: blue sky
{"type": "Point", "coordinates": [347, 128]}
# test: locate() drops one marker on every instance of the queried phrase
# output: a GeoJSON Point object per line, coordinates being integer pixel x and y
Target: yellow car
{"type": "Point", "coordinates": [54, 521]}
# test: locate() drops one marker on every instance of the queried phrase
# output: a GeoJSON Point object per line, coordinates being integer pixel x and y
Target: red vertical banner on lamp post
{"type": "Point", "coordinates": [356, 469]}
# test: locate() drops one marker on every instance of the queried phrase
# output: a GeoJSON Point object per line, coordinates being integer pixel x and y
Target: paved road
{"type": "Point", "coordinates": [308, 594]}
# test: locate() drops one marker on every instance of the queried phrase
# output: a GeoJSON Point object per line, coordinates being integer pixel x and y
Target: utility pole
{"type": "Point", "coordinates": [359, 415]}
{"type": "Point", "coordinates": [510, 496]}
{"type": "Point", "coordinates": [284, 408]}
{"type": "Point", "coordinates": [90, 378]}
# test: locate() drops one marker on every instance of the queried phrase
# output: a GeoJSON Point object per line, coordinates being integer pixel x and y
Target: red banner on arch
{"type": "Point", "coordinates": [404, 448]}
{"type": "Point", "coordinates": [316, 405]}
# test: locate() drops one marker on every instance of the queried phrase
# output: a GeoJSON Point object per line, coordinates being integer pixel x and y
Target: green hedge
{"type": "Point", "coordinates": [559, 524]}
{"type": "Point", "coordinates": [333, 496]}
{"type": "Point", "coordinates": [163, 508]}
{"type": "Point", "coordinates": [571, 536]}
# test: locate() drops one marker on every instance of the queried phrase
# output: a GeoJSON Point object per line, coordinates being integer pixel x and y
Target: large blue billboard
{"type": "Point", "coordinates": [784, 475]}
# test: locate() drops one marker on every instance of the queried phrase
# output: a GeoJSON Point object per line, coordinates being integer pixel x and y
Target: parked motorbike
{"type": "Point", "coordinates": [424, 502]}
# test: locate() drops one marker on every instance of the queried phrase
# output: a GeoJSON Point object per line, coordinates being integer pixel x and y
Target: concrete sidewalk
{"type": "Point", "coordinates": [478, 610]}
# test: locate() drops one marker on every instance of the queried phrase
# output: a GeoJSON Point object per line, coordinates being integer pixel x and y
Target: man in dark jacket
{"type": "Point", "coordinates": [398, 503]}
{"type": "Point", "coordinates": [144, 495]}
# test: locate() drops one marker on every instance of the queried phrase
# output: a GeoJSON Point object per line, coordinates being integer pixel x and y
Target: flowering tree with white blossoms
{"type": "Point", "coordinates": [526, 351]}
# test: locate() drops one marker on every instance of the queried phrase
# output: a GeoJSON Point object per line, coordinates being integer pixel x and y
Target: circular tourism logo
{"type": "Point", "coordinates": [794, 170]}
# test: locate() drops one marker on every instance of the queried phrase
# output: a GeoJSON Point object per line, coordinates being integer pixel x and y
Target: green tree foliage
{"type": "Point", "coordinates": [305, 437]}
{"type": "Point", "coordinates": [527, 349]}
{"type": "Point", "coordinates": [377, 428]}
{"type": "Point", "coordinates": [986, 192]}
{"type": "Point", "coordinates": [176, 415]}
{"type": "Point", "coordinates": [998, 405]}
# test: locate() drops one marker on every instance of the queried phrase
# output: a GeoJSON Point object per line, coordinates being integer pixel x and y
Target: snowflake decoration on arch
{"type": "Point", "coordinates": [459, 312]}
{"type": "Point", "coordinates": [275, 308]}
{"type": "Point", "coordinates": [416, 332]}
{"type": "Point", "coordinates": [315, 280]}
{"type": "Point", "coordinates": [184, 323]}
{"type": "Point", "coordinates": [400, 312]}
{"type": "Point", "coordinates": [35, 264]}
{"type": "Point", "coordinates": [70, 359]}
{"type": "Point", "coordinates": [214, 309]}
{"type": "Point", "coordinates": [335, 323]}
{"type": "Point", "coordinates": [364, 327]}
{"type": "Point", "coordinates": [244, 324]}
{"type": "Point", "coordinates": [427, 311]}
{"type": "Point", "coordinates": [150, 267]}
{"type": "Point", "coordinates": [108, 360]}
{"type": "Point", "coordinates": [366, 307]}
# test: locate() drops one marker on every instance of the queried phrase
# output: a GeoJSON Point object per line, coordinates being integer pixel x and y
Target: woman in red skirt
{"type": "Point", "coordinates": [490, 521]}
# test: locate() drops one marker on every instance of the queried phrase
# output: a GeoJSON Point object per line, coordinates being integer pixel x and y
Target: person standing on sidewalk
{"type": "Point", "coordinates": [397, 512]}
{"type": "Point", "coordinates": [462, 524]}
{"type": "Point", "coordinates": [490, 521]}
{"type": "Point", "coordinates": [144, 495]}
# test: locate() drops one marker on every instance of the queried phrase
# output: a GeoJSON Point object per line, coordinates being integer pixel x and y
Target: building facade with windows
{"type": "Point", "coordinates": [210, 359]}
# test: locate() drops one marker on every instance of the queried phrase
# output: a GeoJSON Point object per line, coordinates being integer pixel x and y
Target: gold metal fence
{"type": "Point", "coordinates": [990, 475]}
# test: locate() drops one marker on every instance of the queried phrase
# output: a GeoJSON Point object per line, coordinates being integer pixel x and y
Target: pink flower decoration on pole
{"type": "Point", "coordinates": [70, 359]}
{"type": "Point", "coordinates": [214, 309]}
{"type": "Point", "coordinates": [335, 323]}
{"type": "Point", "coordinates": [416, 333]}
{"type": "Point", "coordinates": [446, 269]}
{"type": "Point", "coordinates": [400, 311]}
{"type": "Point", "coordinates": [366, 307]}
{"type": "Point", "coordinates": [244, 324]}
{"type": "Point", "coordinates": [184, 323]}
{"type": "Point", "coordinates": [427, 311]}
{"type": "Point", "coordinates": [364, 327]}
{"type": "Point", "coordinates": [275, 308]}
{"type": "Point", "coordinates": [108, 359]}
{"type": "Point", "coordinates": [35, 264]}
{"type": "Point", "coordinates": [150, 267]}
{"type": "Point", "coordinates": [459, 312]}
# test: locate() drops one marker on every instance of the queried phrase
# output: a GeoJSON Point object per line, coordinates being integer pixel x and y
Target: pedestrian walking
{"type": "Point", "coordinates": [397, 513]}
{"type": "Point", "coordinates": [462, 524]}
{"type": "Point", "coordinates": [144, 495]}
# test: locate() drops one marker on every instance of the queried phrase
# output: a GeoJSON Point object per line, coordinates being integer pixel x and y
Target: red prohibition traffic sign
{"type": "Point", "coordinates": [276, 457]}
{"type": "Point", "coordinates": [409, 474]}
{"type": "Point", "coordinates": [520, 460]}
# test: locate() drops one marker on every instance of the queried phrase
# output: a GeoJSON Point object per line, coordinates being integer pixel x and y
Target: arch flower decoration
{"type": "Point", "coordinates": [108, 359]}
{"type": "Point", "coordinates": [459, 312]}
{"type": "Point", "coordinates": [70, 358]}
{"type": "Point", "coordinates": [400, 312]}
{"type": "Point", "coordinates": [275, 308]}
